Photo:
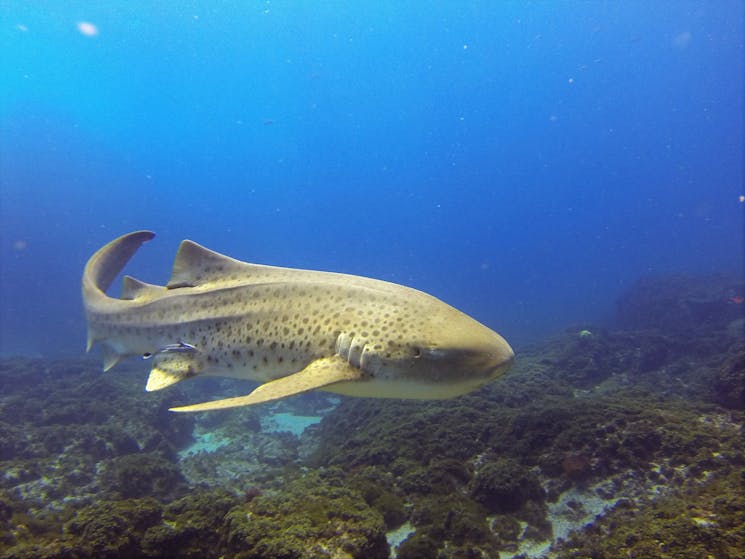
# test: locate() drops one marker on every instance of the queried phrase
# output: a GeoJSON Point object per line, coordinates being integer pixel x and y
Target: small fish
{"type": "Point", "coordinates": [180, 347]}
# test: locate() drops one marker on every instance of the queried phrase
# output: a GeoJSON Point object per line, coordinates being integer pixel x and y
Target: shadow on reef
{"type": "Point", "coordinates": [622, 441]}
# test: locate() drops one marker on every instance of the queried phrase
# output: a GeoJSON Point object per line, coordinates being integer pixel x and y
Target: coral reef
{"type": "Point", "coordinates": [616, 440]}
{"type": "Point", "coordinates": [681, 303]}
{"type": "Point", "coordinates": [314, 516]}
{"type": "Point", "coordinates": [703, 520]}
{"type": "Point", "coordinates": [729, 382]}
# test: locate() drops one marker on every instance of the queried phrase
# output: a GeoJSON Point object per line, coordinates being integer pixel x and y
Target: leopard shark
{"type": "Point", "coordinates": [290, 330]}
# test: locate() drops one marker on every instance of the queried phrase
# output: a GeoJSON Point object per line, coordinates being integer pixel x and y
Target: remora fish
{"type": "Point", "coordinates": [292, 330]}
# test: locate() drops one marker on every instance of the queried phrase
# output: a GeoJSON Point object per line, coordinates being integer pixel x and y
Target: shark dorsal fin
{"type": "Point", "coordinates": [133, 288]}
{"type": "Point", "coordinates": [196, 265]}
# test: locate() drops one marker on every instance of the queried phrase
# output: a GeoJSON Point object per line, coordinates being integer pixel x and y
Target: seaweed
{"type": "Point", "coordinates": [139, 475]}
{"type": "Point", "coordinates": [645, 418]}
{"type": "Point", "coordinates": [316, 515]}
{"type": "Point", "coordinates": [504, 485]}
{"type": "Point", "coordinates": [706, 520]}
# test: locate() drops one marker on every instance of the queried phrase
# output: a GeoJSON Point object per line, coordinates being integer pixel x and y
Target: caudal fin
{"type": "Point", "coordinates": [101, 270]}
{"type": "Point", "coordinates": [103, 267]}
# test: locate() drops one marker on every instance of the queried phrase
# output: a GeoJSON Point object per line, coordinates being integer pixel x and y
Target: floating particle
{"type": "Point", "coordinates": [87, 28]}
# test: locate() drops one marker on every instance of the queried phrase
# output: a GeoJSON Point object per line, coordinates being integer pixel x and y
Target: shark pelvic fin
{"type": "Point", "coordinates": [319, 373]}
{"type": "Point", "coordinates": [110, 357]}
{"type": "Point", "coordinates": [170, 369]}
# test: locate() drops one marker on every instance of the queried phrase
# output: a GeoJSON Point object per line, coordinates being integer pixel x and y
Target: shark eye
{"type": "Point", "coordinates": [416, 352]}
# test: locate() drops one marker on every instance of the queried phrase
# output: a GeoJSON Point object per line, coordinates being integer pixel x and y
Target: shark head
{"type": "Point", "coordinates": [437, 354]}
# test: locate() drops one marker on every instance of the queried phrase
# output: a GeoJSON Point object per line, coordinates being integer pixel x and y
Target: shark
{"type": "Point", "coordinates": [290, 330]}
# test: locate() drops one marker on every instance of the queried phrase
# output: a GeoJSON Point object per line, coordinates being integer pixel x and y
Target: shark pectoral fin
{"type": "Point", "coordinates": [319, 373]}
{"type": "Point", "coordinates": [170, 370]}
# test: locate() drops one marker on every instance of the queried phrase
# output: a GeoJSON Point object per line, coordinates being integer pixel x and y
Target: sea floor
{"type": "Point", "coordinates": [621, 440]}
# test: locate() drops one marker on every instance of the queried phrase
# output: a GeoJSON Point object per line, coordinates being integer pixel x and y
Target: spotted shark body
{"type": "Point", "coordinates": [290, 330]}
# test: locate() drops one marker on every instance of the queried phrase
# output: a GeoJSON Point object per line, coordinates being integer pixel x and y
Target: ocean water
{"type": "Point", "coordinates": [524, 161]}
{"type": "Point", "coordinates": [568, 173]}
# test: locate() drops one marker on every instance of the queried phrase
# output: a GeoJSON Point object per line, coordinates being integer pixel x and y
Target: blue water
{"type": "Point", "coordinates": [524, 161]}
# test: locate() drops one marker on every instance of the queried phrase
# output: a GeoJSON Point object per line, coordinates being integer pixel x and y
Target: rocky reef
{"type": "Point", "coordinates": [615, 440]}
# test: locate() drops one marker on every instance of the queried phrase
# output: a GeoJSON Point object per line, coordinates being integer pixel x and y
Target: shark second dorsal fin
{"type": "Point", "coordinates": [319, 373]}
{"type": "Point", "coordinates": [133, 288]}
{"type": "Point", "coordinates": [196, 265]}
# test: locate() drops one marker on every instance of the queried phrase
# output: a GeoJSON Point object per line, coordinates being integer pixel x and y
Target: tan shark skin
{"type": "Point", "coordinates": [291, 330]}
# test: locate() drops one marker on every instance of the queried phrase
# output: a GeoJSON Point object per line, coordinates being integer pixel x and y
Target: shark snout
{"type": "Point", "coordinates": [471, 360]}
{"type": "Point", "coordinates": [483, 353]}
{"type": "Point", "coordinates": [492, 360]}
{"type": "Point", "coordinates": [501, 361]}
{"type": "Point", "coordinates": [500, 353]}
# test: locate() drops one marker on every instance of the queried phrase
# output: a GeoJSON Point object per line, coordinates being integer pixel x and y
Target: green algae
{"type": "Point", "coordinates": [504, 485]}
{"type": "Point", "coordinates": [114, 529]}
{"type": "Point", "coordinates": [378, 489]}
{"type": "Point", "coordinates": [706, 520]}
{"type": "Point", "coordinates": [417, 546]}
{"type": "Point", "coordinates": [729, 381]}
{"type": "Point", "coordinates": [138, 475]}
{"type": "Point", "coordinates": [316, 515]}
{"type": "Point", "coordinates": [192, 526]}
{"type": "Point", "coordinates": [642, 427]}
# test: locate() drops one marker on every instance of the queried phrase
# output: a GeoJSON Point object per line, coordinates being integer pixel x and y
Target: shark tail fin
{"type": "Point", "coordinates": [105, 265]}
{"type": "Point", "coordinates": [100, 272]}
